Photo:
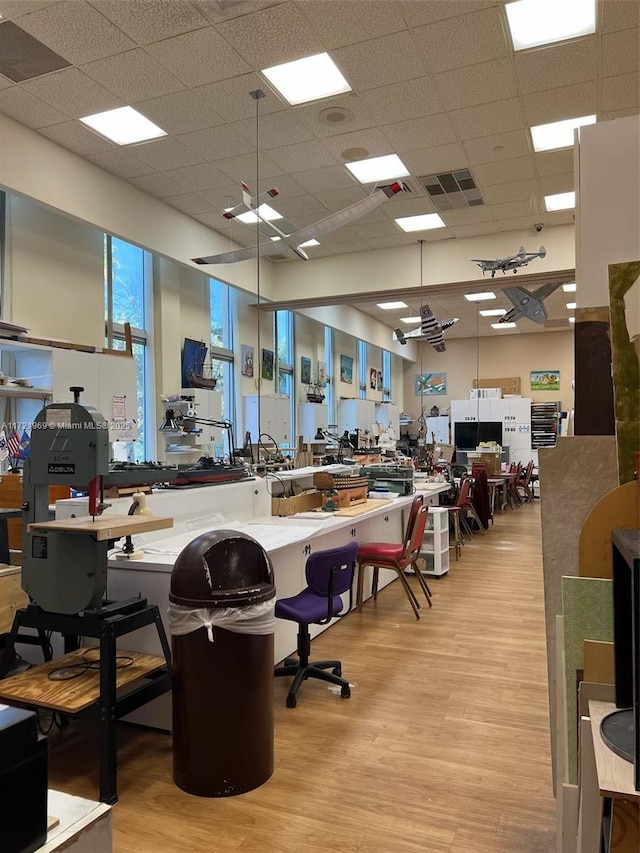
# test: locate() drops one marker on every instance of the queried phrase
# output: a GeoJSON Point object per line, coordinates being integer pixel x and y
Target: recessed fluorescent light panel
{"type": "Point", "coordinates": [536, 22]}
{"type": "Point", "coordinates": [373, 169]}
{"type": "Point", "coordinates": [479, 297]}
{"type": "Point", "coordinates": [392, 306]}
{"type": "Point", "coordinates": [571, 306]}
{"type": "Point", "coordinates": [124, 126]}
{"type": "Point", "coordinates": [560, 201]}
{"type": "Point", "coordinates": [503, 325]}
{"type": "Point", "coordinates": [557, 134]}
{"type": "Point", "coordinates": [572, 319]}
{"type": "Point", "coordinates": [311, 242]}
{"type": "Point", "coordinates": [493, 312]}
{"type": "Point", "coordinates": [410, 319]}
{"type": "Point", "coordinates": [424, 222]}
{"type": "Point", "coordinates": [569, 288]}
{"type": "Point", "coordinates": [266, 214]}
{"type": "Point", "coordinates": [307, 79]}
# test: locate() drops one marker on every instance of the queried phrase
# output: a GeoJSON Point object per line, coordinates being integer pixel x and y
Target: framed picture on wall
{"type": "Point", "coordinates": [267, 364]}
{"type": "Point", "coordinates": [379, 380]}
{"type": "Point", "coordinates": [431, 383]}
{"type": "Point", "coordinates": [305, 370]}
{"type": "Point", "coordinates": [322, 374]}
{"type": "Point", "coordinates": [247, 360]}
{"type": "Point", "coordinates": [346, 369]}
{"type": "Point", "coordinates": [545, 380]}
{"type": "Point", "coordinates": [373, 378]}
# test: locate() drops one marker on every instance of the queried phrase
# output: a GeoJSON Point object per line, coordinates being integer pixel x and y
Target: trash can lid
{"type": "Point", "coordinates": [222, 568]}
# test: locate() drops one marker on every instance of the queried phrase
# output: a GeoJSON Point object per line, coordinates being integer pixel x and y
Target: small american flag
{"type": "Point", "coordinates": [13, 445]}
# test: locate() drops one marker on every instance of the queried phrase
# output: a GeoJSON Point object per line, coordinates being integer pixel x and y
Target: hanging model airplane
{"type": "Point", "coordinates": [527, 303]}
{"type": "Point", "coordinates": [284, 238]}
{"type": "Point", "coordinates": [430, 330]}
{"type": "Point", "coordinates": [512, 262]}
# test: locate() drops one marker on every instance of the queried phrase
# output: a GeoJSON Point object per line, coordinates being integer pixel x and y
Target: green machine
{"type": "Point", "coordinates": [396, 478]}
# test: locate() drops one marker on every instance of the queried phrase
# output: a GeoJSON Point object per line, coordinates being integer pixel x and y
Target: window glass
{"type": "Point", "coordinates": [127, 263]}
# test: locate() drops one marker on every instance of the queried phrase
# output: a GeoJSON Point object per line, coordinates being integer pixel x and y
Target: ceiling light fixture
{"type": "Point", "coordinates": [384, 168]}
{"type": "Point", "coordinates": [504, 326]}
{"type": "Point", "coordinates": [557, 134]}
{"type": "Point", "coordinates": [569, 288]}
{"type": "Point", "coordinates": [392, 306]}
{"type": "Point", "coordinates": [493, 312]}
{"type": "Point", "coordinates": [479, 297]}
{"type": "Point", "coordinates": [423, 222]}
{"type": "Point", "coordinates": [312, 242]}
{"type": "Point", "coordinates": [571, 306]}
{"type": "Point", "coordinates": [535, 22]}
{"type": "Point", "coordinates": [410, 319]}
{"type": "Point", "coordinates": [124, 126]}
{"type": "Point", "coordinates": [307, 79]}
{"type": "Point", "coordinates": [572, 319]}
{"type": "Point", "coordinates": [265, 213]}
{"type": "Point", "coordinates": [560, 201]}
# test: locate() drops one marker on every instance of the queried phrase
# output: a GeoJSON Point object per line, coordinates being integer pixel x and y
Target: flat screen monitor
{"type": "Point", "coordinates": [469, 434]}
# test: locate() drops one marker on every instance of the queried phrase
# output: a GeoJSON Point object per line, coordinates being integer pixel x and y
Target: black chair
{"type": "Point", "coordinates": [329, 574]}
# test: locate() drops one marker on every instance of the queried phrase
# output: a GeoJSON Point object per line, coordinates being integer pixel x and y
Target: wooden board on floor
{"type": "Point", "coordinates": [598, 662]}
{"type": "Point", "coordinates": [104, 526]}
{"type": "Point", "coordinates": [619, 508]}
{"type": "Point", "coordinates": [34, 687]}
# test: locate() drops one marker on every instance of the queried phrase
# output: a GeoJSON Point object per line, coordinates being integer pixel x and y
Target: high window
{"type": "Point", "coordinates": [362, 369]}
{"type": "Point", "coordinates": [222, 305]}
{"type": "Point", "coordinates": [283, 335]}
{"type": "Point", "coordinates": [330, 393]}
{"type": "Point", "coordinates": [386, 375]}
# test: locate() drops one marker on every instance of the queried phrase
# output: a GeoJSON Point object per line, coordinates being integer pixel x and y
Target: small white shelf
{"type": "Point", "coordinates": [436, 541]}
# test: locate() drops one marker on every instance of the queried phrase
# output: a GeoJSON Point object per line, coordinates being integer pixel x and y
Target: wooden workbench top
{"type": "Point", "coordinates": [615, 774]}
{"type": "Point", "coordinates": [104, 526]}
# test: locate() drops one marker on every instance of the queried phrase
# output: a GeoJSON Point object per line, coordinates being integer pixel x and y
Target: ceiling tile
{"type": "Point", "coordinates": [271, 36]}
{"type": "Point", "coordinates": [231, 99]}
{"type": "Point", "coordinates": [563, 182]}
{"type": "Point", "coordinates": [189, 203]}
{"type": "Point", "coordinates": [222, 197]}
{"type": "Point", "coordinates": [328, 178]}
{"type": "Point", "coordinates": [215, 143]}
{"type": "Point", "coordinates": [417, 133]}
{"type": "Point", "coordinates": [609, 116]}
{"type": "Point", "coordinates": [134, 76]}
{"type": "Point", "coordinates": [156, 184]}
{"type": "Point", "coordinates": [477, 229]}
{"type": "Point", "coordinates": [524, 224]}
{"type": "Point", "coordinates": [275, 129]}
{"type": "Point", "coordinates": [463, 40]}
{"type": "Point", "coordinates": [580, 99]}
{"type": "Point", "coordinates": [553, 162]}
{"type": "Point", "coordinates": [337, 199]}
{"type": "Point", "coordinates": [296, 158]}
{"type": "Point", "coordinates": [151, 20]}
{"type": "Point", "coordinates": [5, 82]}
{"type": "Point", "coordinates": [76, 137]}
{"type": "Point", "coordinates": [24, 107]}
{"type": "Point", "coordinates": [515, 191]}
{"type": "Point", "coordinates": [202, 176]}
{"type": "Point", "coordinates": [222, 10]}
{"type": "Point", "coordinates": [502, 146]}
{"type": "Point", "coordinates": [375, 63]}
{"type": "Point", "coordinates": [243, 168]}
{"type": "Point", "coordinates": [342, 247]}
{"type": "Point", "coordinates": [72, 92]}
{"type": "Point", "coordinates": [620, 52]}
{"type": "Point", "coordinates": [121, 163]}
{"type": "Point", "coordinates": [620, 92]}
{"type": "Point", "coordinates": [76, 31]}
{"type": "Point", "coordinates": [401, 239]}
{"type": "Point", "coordinates": [367, 230]}
{"type": "Point", "coordinates": [473, 122]}
{"type": "Point", "coordinates": [408, 206]}
{"type": "Point", "coordinates": [320, 117]}
{"type": "Point", "coordinates": [400, 101]}
{"type": "Point", "coordinates": [619, 15]}
{"type": "Point", "coordinates": [179, 112]}
{"type": "Point", "coordinates": [287, 187]}
{"type": "Point", "coordinates": [352, 20]}
{"type": "Point", "coordinates": [561, 217]}
{"type": "Point", "coordinates": [302, 206]}
{"type": "Point", "coordinates": [477, 84]}
{"type": "Point", "coordinates": [372, 140]}
{"type": "Point", "coordinates": [442, 158]}
{"type": "Point", "coordinates": [467, 215]}
{"type": "Point", "coordinates": [557, 65]}
{"type": "Point", "coordinates": [531, 206]}
{"type": "Point", "coordinates": [165, 153]}
{"type": "Point", "coordinates": [519, 169]}
{"type": "Point", "coordinates": [199, 57]}
{"type": "Point", "coordinates": [12, 9]}
{"type": "Point", "coordinates": [428, 11]}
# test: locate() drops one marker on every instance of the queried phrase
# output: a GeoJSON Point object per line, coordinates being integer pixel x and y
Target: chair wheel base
{"type": "Point", "coordinates": [345, 692]}
{"type": "Point", "coordinates": [337, 671]}
{"type": "Point", "coordinates": [292, 701]}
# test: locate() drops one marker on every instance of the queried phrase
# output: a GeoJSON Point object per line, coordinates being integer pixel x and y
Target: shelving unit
{"type": "Point", "coordinates": [545, 420]}
{"type": "Point", "coordinates": [184, 445]}
{"type": "Point", "coordinates": [435, 550]}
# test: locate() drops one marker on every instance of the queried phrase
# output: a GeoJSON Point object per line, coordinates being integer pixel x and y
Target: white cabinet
{"type": "Point", "coordinates": [274, 417]}
{"type": "Point", "coordinates": [514, 413]}
{"type": "Point", "coordinates": [311, 418]}
{"type": "Point", "coordinates": [438, 426]}
{"type": "Point", "coordinates": [356, 414]}
{"type": "Point", "coordinates": [435, 548]}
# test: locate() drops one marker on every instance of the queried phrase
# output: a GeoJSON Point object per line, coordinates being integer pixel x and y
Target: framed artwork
{"type": "Point", "coordinates": [247, 360]}
{"type": "Point", "coordinates": [267, 364]}
{"type": "Point", "coordinates": [379, 380]}
{"type": "Point", "coordinates": [431, 383]}
{"type": "Point", "coordinates": [545, 380]}
{"type": "Point", "coordinates": [373, 378]}
{"type": "Point", "coordinates": [346, 369]}
{"type": "Point", "coordinates": [305, 370]}
{"type": "Point", "coordinates": [322, 374]}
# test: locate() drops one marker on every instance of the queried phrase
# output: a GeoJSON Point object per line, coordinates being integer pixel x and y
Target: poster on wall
{"type": "Point", "coordinates": [247, 360]}
{"type": "Point", "coordinates": [346, 369]}
{"type": "Point", "coordinates": [305, 370]}
{"type": "Point", "coordinates": [545, 380]}
{"type": "Point", "coordinates": [379, 380]}
{"type": "Point", "coordinates": [373, 378]}
{"type": "Point", "coordinates": [431, 383]}
{"type": "Point", "coordinates": [267, 364]}
{"type": "Point", "coordinates": [322, 374]}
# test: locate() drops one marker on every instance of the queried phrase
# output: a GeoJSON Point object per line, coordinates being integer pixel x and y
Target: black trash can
{"type": "Point", "coordinates": [221, 614]}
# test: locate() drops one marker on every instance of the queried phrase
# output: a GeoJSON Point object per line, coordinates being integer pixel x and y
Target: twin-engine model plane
{"type": "Point", "coordinates": [527, 303]}
{"type": "Point", "coordinates": [512, 262]}
{"type": "Point", "coordinates": [430, 330]}
{"type": "Point", "coordinates": [284, 238]}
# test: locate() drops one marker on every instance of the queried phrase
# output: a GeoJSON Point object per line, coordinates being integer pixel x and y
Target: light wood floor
{"type": "Point", "coordinates": [443, 745]}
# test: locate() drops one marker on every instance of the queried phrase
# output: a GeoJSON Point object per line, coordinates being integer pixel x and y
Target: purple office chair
{"type": "Point", "coordinates": [329, 573]}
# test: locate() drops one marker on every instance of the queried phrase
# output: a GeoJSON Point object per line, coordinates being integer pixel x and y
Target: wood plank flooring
{"type": "Point", "coordinates": [443, 746]}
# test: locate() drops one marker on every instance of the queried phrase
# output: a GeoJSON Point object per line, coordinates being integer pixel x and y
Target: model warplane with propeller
{"type": "Point", "coordinates": [527, 303]}
{"type": "Point", "coordinates": [511, 262]}
{"type": "Point", "coordinates": [430, 330]}
{"type": "Point", "coordinates": [284, 238]}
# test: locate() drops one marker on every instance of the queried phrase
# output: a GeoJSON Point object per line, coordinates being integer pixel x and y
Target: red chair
{"type": "Point", "coordinates": [397, 557]}
{"type": "Point", "coordinates": [524, 482]}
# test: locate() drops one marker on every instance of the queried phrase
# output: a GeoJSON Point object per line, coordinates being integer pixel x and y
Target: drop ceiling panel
{"type": "Point", "coordinates": [427, 12]}
{"type": "Point", "coordinates": [151, 20]}
{"type": "Point", "coordinates": [328, 178]}
{"type": "Point", "coordinates": [501, 146]}
{"type": "Point", "coordinates": [276, 129]}
{"type": "Point", "coordinates": [164, 154]}
{"type": "Point", "coordinates": [337, 199]}
{"type": "Point", "coordinates": [478, 84]}
{"type": "Point", "coordinates": [296, 158]}
{"type": "Point", "coordinates": [133, 76]}
{"type": "Point", "coordinates": [559, 183]}
{"type": "Point", "coordinates": [402, 101]}
{"type": "Point", "coordinates": [620, 52]}
{"type": "Point", "coordinates": [417, 133]}
{"type": "Point", "coordinates": [157, 184]}
{"type": "Point", "coordinates": [553, 162]}
{"type": "Point", "coordinates": [5, 82]}
{"type": "Point", "coordinates": [513, 209]}
{"type": "Point", "coordinates": [442, 158]}
{"type": "Point", "coordinates": [477, 229]}
{"type": "Point", "coordinates": [216, 143]}
{"type": "Point", "coordinates": [189, 203]}
{"type": "Point", "coordinates": [199, 57]}
{"type": "Point", "coordinates": [11, 9]}
{"type": "Point", "coordinates": [352, 20]}
{"type": "Point", "coordinates": [557, 65]}
{"type": "Point", "coordinates": [556, 104]}
{"type": "Point", "coordinates": [525, 224]}
{"type": "Point", "coordinates": [21, 105]}
{"type": "Point", "coordinates": [368, 230]}
{"type": "Point", "coordinates": [473, 122]}
{"type": "Point", "coordinates": [341, 248]}
{"type": "Point", "coordinates": [373, 140]}
{"type": "Point", "coordinates": [375, 63]}
{"type": "Point", "coordinates": [619, 15]}
{"type": "Point", "coordinates": [76, 137]}
{"type": "Point", "coordinates": [231, 100]}
{"type": "Point", "coordinates": [621, 92]}
{"type": "Point", "coordinates": [73, 92]}
{"type": "Point", "coordinates": [515, 191]}
{"type": "Point", "coordinates": [315, 115]}
{"type": "Point", "coordinates": [518, 169]}
{"type": "Point", "coordinates": [76, 31]}
{"type": "Point", "coordinates": [180, 112]}
{"type": "Point", "coordinates": [121, 163]}
{"type": "Point", "coordinates": [243, 168]}
{"type": "Point", "coordinates": [223, 10]}
{"type": "Point", "coordinates": [202, 176]}
{"type": "Point", "coordinates": [467, 216]}
{"type": "Point", "coordinates": [477, 36]}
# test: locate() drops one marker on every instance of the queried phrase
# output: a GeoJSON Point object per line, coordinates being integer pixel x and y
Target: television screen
{"type": "Point", "coordinates": [469, 434]}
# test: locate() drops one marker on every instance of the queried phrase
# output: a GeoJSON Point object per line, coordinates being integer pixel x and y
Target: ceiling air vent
{"type": "Point", "coordinates": [23, 57]}
{"type": "Point", "coordinates": [451, 190]}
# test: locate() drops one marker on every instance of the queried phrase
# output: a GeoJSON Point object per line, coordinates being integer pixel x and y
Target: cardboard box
{"type": "Point", "coordinates": [297, 503]}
